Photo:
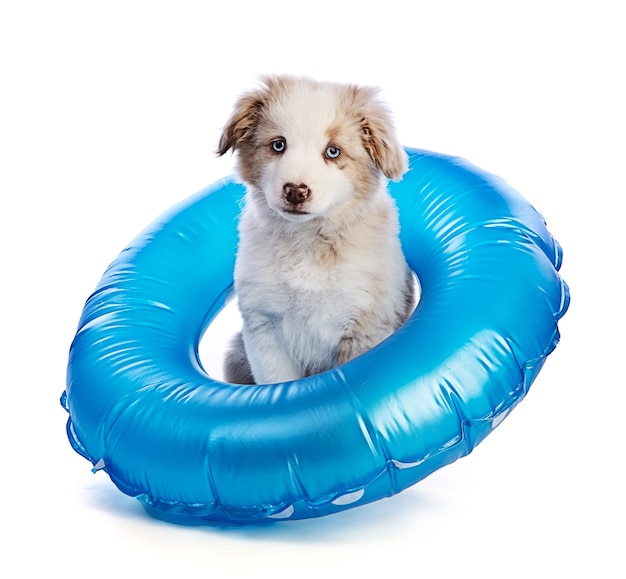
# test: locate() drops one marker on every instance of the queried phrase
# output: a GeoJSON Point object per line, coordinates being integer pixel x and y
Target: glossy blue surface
{"type": "Point", "coordinates": [193, 449]}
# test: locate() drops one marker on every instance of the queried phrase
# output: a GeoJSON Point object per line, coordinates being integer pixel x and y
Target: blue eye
{"type": "Point", "coordinates": [278, 145]}
{"type": "Point", "coordinates": [332, 152]}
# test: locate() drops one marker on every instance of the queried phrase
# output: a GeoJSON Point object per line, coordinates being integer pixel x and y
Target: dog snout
{"type": "Point", "coordinates": [296, 194]}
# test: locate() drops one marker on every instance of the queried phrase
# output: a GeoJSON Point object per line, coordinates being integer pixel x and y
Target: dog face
{"type": "Point", "coordinates": [307, 149]}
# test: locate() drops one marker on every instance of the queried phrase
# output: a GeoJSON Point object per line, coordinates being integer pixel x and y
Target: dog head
{"type": "Point", "coordinates": [306, 148]}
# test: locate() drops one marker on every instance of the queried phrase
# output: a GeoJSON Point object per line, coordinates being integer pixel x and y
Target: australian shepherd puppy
{"type": "Point", "coordinates": [320, 276]}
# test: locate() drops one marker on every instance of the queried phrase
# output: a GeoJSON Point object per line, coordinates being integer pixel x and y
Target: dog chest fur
{"type": "Point", "coordinates": [306, 286]}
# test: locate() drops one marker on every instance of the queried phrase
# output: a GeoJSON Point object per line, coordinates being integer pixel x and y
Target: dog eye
{"type": "Point", "coordinates": [278, 145]}
{"type": "Point", "coordinates": [332, 152]}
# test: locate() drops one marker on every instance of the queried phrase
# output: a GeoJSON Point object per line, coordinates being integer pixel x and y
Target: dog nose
{"type": "Point", "coordinates": [295, 194]}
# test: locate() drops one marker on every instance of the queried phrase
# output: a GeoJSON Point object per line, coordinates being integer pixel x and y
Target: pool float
{"type": "Point", "coordinates": [194, 449]}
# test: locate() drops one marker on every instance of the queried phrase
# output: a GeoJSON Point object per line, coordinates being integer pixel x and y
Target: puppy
{"type": "Point", "coordinates": [320, 275]}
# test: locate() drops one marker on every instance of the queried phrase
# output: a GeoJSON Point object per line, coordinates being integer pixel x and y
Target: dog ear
{"type": "Point", "coordinates": [240, 127]}
{"type": "Point", "coordinates": [379, 137]}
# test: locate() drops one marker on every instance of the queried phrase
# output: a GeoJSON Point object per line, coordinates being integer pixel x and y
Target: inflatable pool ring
{"type": "Point", "coordinates": [193, 449]}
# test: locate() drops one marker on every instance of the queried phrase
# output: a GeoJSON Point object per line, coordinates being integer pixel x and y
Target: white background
{"type": "Point", "coordinates": [110, 112]}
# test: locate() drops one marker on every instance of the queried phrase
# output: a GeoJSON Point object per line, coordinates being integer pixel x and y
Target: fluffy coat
{"type": "Point", "coordinates": [320, 275]}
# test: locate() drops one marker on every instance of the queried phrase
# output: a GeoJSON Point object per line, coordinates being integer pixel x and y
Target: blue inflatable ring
{"type": "Point", "coordinates": [193, 449]}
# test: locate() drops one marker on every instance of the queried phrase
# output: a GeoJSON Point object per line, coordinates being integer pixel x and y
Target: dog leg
{"type": "Point", "coordinates": [361, 336]}
{"type": "Point", "coordinates": [352, 346]}
{"type": "Point", "coordinates": [369, 330]}
{"type": "Point", "coordinates": [269, 361]}
{"type": "Point", "coordinates": [236, 366]}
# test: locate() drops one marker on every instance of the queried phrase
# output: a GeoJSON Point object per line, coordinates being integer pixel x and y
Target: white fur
{"type": "Point", "coordinates": [321, 280]}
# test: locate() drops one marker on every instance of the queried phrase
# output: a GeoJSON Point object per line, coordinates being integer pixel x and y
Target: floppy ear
{"type": "Point", "coordinates": [240, 127]}
{"type": "Point", "coordinates": [379, 136]}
